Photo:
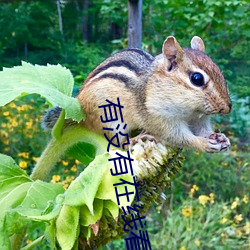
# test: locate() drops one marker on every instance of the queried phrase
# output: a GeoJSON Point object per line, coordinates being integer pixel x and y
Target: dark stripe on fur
{"type": "Point", "coordinates": [118, 77]}
{"type": "Point", "coordinates": [118, 63]}
{"type": "Point", "coordinates": [142, 53]}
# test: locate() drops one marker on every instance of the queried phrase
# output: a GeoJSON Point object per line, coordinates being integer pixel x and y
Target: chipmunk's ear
{"type": "Point", "coordinates": [197, 43]}
{"type": "Point", "coordinates": [171, 49]}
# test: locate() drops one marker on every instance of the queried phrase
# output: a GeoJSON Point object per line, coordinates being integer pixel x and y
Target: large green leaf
{"type": "Point", "coordinates": [83, 152]}
{"type": "Point", "coordinates": [53, 82]}
{"type": "Point", "coordinates": [67, 226]}
{"type": "Point", "coordinates": [83, 189]}
{"type": "Point", "coordinates": [9, 168]}
{"type": "Point", "coordinates": [6, 186]}
{"type": "Point", "coordinates": [39, 194]}
{"type": "Point", "coordinates": [86, 218]}
{"type": "Point", "coordinates": [21, 199]}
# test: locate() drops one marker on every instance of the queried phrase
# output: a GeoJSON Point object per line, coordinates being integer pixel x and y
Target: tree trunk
{"type": "Point", "coordinates": [59, 16]}
{"type": "Point", "coordinates": [85, 20]}
{"type": "Point", "coordinates": [134, 23]}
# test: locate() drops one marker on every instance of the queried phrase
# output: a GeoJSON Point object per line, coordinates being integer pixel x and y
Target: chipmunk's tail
{"type": "Point", "coordinates": [50, 117]}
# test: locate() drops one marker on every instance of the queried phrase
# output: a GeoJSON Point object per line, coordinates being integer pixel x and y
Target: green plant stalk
{"type": "Point", "coordinates": [52, 153]}
{"type": "Point", "coordinates": [58, 146]}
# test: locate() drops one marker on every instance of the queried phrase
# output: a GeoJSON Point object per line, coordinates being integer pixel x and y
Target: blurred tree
{"type": "Point", "coordinates": [134, 23]}
{"type": "Point", "coordinates": [31, 31]}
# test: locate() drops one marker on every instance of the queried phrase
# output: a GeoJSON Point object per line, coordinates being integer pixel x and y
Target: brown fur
{"type": "Point", "coordinates": [157, 94]}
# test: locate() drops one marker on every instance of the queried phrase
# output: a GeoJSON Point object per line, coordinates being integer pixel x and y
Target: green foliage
{"type": "Point", "coordinates": [19, 198]}
{"type": "Point", "coordinates": [30, 32]}
{"type": "Point", "coordinates": [223, 25]}
{"type": "Point", "coordinates": [25, 200]}
{"type": "Point", "coordinates": [52, 82]}
{"type": "Point", "coordinates": [202, 223]}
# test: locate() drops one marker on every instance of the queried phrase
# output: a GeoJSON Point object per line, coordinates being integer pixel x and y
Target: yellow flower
{"type": "Point", "coordinates": [183, 248]}
{"type": "Point", "coordinates": [23, 164]}
{"type": "Point", "coordinates": [6, 113]}
{"type": "Point", "coordinates": [14, 123]}
{"type": "Point", "coordinates": [12, 105]}
{"type": "Point", "coordinates": [24, 154]}
{"type": "Point", "coordinates": [197, 242]}
{"type": "Point", "coordinates": [4, 134]}
{"type": "Point", "coordinates": [223, 220]}
{"type": "Point", "coordinates": [187, 211]}
{"type": "Point", "coordinates": [234, 152]}
{"type": "Point", "coordinates": [29, 124]}
{"type": "Point", "coordinates": [6, 149]}
{"type": "Point", "coordinates": [65, 163]}
{"type": "Point", "coordinates": [35, 159]}
{"type": "Point", "coordinates": [211, 195]}
{"type": "Point", "coordinates": [65, 185]}
{"type": "Point", "coordinates": [203, 199]}
{"type": "Point", "coordinates": [55, 178]}
{"type": "Point", "coordinates": [238, 218]}
{"type": "Point", "coordinates": [70, 178]}
{"type": "Point", "coordinates": [77, 162]}
{"type": "Point", "coordinates": [247, 227]}
{"type": "Point", "coordinates": [235, 203]}
{"type": "Point", "coordinates": [6, 141]}
{"type": "Point", "coordinates": [73, 168]}
{"type": "Point", "coordinates": [245, 199]}
{"type": "Point", "coordinates": [193, 190]}
{"type": "Point", "coordinates": [224, 164]}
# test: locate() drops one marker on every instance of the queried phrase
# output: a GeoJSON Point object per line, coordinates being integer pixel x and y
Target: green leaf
{"type": "Point", "coordinates": [20, 198]}
{"type": "Point", "coordinates": [6, 186]}
{"type": "Point", "coordinates": [58, 127]}
{"type": "Point", "coordinates": [4, 240]}
{"type": "Point", "coordinates": [86, 232]}
{"type": "Point", "coordinates": [14, 198]}
{"type": "Point", "coordinates": [9, 168]}
{"type": "Point", "coordinates": [39, 194]}
{"type": "Point", "coordinates": [86, 218]}
{"type": "Point", "coordinates": [112, 207]}
{"type": "Point", "coordinates": [34, 243]}
{"type": "Point", "coordinates": [50, 234]}
{"type": "Point", "coordinates": [83, 152]}
{"type": "Point", "coordinates": [53, 82]}
{"type": "Point", "coordinates": [106, 190]}
{"type": "Point", "coordinates": [83, 189]}
{"type": "Point", "coordinates": [67, 226]}
{"type": "Point", "coordinates": [46, 216]}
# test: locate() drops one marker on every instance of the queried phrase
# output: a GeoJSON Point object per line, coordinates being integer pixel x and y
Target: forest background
{"type": "Point", "coordinates": [207, 206]}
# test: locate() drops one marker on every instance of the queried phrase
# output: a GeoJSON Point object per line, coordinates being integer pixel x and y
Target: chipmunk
{"type": "Point", "coordinates": [170, 96]}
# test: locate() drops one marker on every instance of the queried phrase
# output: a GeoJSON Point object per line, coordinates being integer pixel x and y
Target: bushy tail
{"type": "Point", "coordinates": [50, 118]}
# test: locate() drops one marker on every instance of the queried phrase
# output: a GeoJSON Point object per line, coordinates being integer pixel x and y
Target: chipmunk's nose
{"type": "Point", "coordinates": [227, 108]}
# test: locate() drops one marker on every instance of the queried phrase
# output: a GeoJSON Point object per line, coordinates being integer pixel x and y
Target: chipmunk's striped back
{"type": "Point", "coordinates": [124, 66]}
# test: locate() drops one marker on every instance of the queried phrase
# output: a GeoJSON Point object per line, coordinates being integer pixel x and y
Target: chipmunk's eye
{"type": "Point", "coordinates": [197, 79]}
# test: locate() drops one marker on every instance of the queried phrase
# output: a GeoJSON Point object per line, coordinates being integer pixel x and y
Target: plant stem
{"type": "Point", "coordinates": [57, 147]}
{"type": "Point", "coordinates": [16, 240]}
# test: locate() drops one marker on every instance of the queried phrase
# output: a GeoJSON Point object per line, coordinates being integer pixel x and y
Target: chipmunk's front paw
{"type": "Point", "coordinates": [141, 139]}
{"type": "Point", "coordinates": [217, 142]}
